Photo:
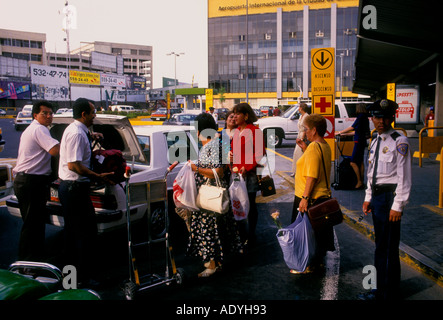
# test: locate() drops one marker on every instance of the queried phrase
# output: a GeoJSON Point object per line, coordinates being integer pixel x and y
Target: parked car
{"type": "Point", "coordinates": [181, 119]}
{"type": "Point", "coordinates": [221, 113]}
{"type": "Point", "coordinates": [148, 150]}
{"type": "Point", "coordinates": [162, 113]}
{"type": "Point", "coordinates": [121, 108]}
{"type": "Point", "coordinates": [22, 120]}
{"type": "Point", "coordinates": [27, 108]}
{"type": "Point", "coordinates": [285, 126]}
{"type": "Point", "coordinates": [258, 113]}
{"type": "Point", "coordinates": [63, 110]}
{"type": "Point", "coordinates": [2, 112]}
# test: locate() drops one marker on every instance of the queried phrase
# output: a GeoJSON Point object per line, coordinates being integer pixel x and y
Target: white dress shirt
{"type": "Point", "coordinates": [33, 152]}
{"type": "Point", "coordinates": [75, 146]}
{"type": "Point", "coordinates": [394, 167]}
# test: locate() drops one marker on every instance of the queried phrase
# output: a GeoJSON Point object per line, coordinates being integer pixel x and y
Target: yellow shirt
{"type": "Point", "coordinates": [310, 165]}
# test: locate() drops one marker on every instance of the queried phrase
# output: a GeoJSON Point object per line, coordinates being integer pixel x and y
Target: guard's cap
{"type": "Point", "coordinates": [382, 108]}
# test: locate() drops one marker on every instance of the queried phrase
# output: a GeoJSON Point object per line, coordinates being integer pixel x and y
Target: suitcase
{"type": "Point", "coordinates": [346, 178]}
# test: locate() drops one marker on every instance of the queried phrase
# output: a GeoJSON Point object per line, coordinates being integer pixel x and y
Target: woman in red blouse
{"type": "Point", "coordinates": [248, 149]}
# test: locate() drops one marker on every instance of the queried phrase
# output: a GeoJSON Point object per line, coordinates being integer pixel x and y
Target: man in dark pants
{"type": "Point", "coordinates": [387, 193]}
{"type": "Point", "coordinates": [76, 174]}
{"type": "Point", "coordinates": [32, 179]}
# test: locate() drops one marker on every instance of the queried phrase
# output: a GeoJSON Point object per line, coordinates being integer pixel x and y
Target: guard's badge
{"type": "Point", "coordinates": [384, 104]}
{"type": "Point", "coordinates": [402, 148]}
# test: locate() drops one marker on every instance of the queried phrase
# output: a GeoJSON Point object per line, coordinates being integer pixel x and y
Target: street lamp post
{"type": "Point", "coordinates": [175, 72]}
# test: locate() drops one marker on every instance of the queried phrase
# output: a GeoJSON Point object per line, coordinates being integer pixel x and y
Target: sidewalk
{"type": "Point", "coordinates": [422, 224]}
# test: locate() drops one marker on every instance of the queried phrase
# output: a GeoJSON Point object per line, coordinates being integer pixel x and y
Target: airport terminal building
{"type": "Point", "coordinates": [259, 50]}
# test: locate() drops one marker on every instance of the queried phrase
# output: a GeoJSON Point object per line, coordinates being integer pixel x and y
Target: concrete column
{"type": "Point", "coordinates": [279, 53]}
{"type": "Point", "coordinates": [334, 26]}
{"type": "Point", "coordinates": [306, 53]}
{"type": "Point", "coordinates": [439, 94]}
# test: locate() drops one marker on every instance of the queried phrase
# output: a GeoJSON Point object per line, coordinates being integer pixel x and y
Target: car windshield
{"type": "Point", "coordinates": [289, 112]}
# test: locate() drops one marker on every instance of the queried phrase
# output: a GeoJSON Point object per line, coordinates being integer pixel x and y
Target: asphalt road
{"type": "Point", "coordinates": [260, 274]}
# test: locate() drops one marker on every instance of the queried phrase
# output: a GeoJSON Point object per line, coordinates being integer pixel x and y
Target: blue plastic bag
{"type": "Point", "coordinates": [297, 241]}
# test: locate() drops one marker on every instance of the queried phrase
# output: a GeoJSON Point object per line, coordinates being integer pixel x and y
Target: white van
{"type": "Point", "coordinates": [122, 108]}
{"type": "Point", "coordinates": [27, 109]}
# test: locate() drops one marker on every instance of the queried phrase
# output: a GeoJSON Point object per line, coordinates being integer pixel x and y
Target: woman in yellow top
{"type": "Point", "coordinates": [312, 181]}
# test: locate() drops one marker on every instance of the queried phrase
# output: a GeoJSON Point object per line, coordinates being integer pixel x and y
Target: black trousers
{"type": "Point", "coordinates": [80, 227]}
{"type": "Point", "coordinates": [387, 241]}
{"type": "Point", "coordinates": [32, 192]}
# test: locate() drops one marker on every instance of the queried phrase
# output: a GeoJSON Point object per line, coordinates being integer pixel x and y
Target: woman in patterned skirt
{"type": "Point", "coordinates": [210, 233]}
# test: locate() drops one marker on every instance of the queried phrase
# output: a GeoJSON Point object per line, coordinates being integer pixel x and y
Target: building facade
{"type": "Point", "coordinates": [261, 52]}
{"type": "Point", "coordinates": [123, 72]}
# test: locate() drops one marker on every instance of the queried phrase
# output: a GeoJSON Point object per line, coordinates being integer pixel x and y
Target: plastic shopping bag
{"type": "Point", "coordinates": [297, 242]}
{"type": "Point", "coordinates": [239, 197]}
{"type": "Point", "coordinates": [184, 189]}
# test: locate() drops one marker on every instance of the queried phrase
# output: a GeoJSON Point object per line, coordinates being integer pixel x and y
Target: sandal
{"type": "Point", "coordinates": [307, 270]}
{"type": "Point", "coordinates": [207, 273]}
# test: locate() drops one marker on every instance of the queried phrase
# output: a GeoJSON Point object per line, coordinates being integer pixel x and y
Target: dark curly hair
{"type": "Point", "coordinates": [245, 108]}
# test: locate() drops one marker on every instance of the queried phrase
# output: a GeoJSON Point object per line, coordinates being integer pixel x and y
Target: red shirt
{"type": "Point", "coordinates": [248, 147]}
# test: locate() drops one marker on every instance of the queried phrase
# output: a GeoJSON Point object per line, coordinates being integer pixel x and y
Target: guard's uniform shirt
{"type": "Point", "coordinates": [394, 167]}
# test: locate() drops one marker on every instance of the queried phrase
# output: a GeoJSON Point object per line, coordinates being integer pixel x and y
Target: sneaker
{"type": "Point", "coordinates": [367, 296]}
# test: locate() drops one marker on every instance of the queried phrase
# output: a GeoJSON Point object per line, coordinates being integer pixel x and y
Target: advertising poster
{"type": "Point", "coordinates": [49, 83]}
{"type": "Point", "coordinates": [15, 90]}
{"type": "Point", "coordinates": [407, 98]}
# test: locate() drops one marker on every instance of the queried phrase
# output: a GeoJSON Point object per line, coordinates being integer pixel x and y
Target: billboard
{"type": "Point", "coordinates": [112, 80]}
{"type": "Point", "coordinates": [408, 100]}
{"type": "Point", "coordinates": [80, 77]}
{"type": "Point", "coordinates": [103, 61]}
{"type": "Point", "coordinates": [15, 90]}
{"type": "Point", "coordinates": [49, 83]}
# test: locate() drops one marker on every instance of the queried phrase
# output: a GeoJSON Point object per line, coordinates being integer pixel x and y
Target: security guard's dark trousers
{"type": "Point", "coordinates": [80, 227]}
{"type": "Point", "coordinates": [32, 192]}
{"type": "Point", "coordinates": [387, 240]}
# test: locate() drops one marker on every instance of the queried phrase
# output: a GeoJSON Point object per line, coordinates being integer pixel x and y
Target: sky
{"type": "Point", "coordinates": [168, 26]}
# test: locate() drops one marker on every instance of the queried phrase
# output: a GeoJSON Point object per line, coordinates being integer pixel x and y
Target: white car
{"type": "Point", "coordinates": [148, 150]}
{"type": "Point", "coordinates": [22, 120]}
{"type": "Point", "coordinates": [286, 126]}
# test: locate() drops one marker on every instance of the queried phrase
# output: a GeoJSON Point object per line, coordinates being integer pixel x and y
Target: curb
{"type": "Point", "coordinates": [407, 254]}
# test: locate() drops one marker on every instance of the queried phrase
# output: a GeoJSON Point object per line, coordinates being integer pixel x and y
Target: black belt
{"type": "Point", "coordinates": [383, 188]}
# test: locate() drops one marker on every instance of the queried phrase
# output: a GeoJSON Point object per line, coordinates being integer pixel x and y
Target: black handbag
{"type": "Point", "coordinates": [266, 183]}
{"type": "Point", "coordinates": [327, 213]}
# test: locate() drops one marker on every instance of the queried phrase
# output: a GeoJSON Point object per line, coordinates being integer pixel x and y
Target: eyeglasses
{"type": "Point", "coordinates": [47, 113]}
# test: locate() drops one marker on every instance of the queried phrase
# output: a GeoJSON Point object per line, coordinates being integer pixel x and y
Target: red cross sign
{"type": "Point", "coordinates": [323, 105]}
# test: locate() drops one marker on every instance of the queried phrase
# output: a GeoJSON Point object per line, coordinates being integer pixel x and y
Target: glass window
{"type": "Point", "coordinates": [179, 147]}
{"type": "Point", "coordinates": [145, 145]}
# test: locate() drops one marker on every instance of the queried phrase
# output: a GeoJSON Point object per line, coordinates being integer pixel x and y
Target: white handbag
{"type": "Point", "coordinates": [213, 198]}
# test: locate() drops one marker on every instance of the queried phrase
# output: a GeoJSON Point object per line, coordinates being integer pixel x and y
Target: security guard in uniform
{"type": "Point", "coordinates": [388, 188]}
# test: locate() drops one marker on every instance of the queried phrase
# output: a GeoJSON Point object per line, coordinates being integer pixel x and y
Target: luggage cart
{"type": "Point", "coordinates": [155, 191]}
{"type": "Point", "coordinates": [344, 175]}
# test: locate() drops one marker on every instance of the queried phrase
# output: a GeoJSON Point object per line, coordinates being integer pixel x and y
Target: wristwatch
{"type": "Point", "coordinates": [306, 198]}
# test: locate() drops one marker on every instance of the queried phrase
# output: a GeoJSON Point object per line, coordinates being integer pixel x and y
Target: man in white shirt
{"type": "Point", "coordinates": [388, 188]}
{"type": "Point", "coordinates": [32, 180]}
{"type": "Point", "coordinates": [74, 190]}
